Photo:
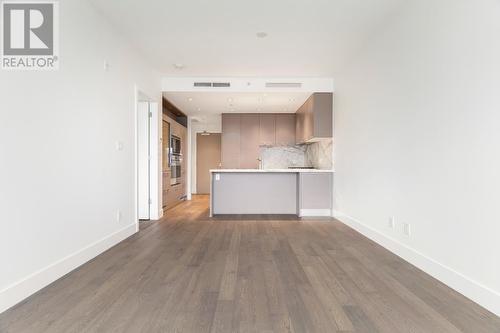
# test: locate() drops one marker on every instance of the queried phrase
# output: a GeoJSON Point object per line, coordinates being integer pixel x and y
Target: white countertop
{"type": "Point", "coordinates": [271, 170]}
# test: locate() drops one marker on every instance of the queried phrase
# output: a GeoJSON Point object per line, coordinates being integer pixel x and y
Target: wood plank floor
{"type": "Point", "coordinates": [190, 273]}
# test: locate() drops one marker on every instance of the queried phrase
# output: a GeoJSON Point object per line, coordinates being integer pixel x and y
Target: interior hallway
{"type": "Point", "coordinates": [190, 273]}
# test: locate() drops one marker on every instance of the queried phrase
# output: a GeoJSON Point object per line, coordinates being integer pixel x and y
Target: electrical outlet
{"type": "Point", "coordinates": [118, 216]}
{"type": "Point", "coordinates": [119, 145]}
{"type": "Point", "coordinates": [406, 229]}
{"type": "Point", "coordinates": [392, 222]}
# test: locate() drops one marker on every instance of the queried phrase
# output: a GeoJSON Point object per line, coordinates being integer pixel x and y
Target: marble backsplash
{"type": "Point", "coordinates": [317, 155]}
{"type": "Point", "coordinates": [282, 157]}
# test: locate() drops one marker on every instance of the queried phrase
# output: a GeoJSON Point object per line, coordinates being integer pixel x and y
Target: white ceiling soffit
{"type": "Point", "coordinates": [212, 103]}
{"type": "Point", "coordinates": [248, 38]}
{"type": "Point", "coordinates": [231, 84]}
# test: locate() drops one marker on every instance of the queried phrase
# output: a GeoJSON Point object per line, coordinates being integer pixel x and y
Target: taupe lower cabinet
{"type": "Point", "coordinates": [314, 118]}
{"type": "Point", "coordinates": [244, 134]}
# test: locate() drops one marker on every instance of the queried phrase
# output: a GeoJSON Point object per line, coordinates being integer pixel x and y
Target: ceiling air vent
{"type": "Point", "coordinates": [221, 84]}
{"type": "Point", "coordinates": [212, 84]}
{"type": "Point", "coordinates": [202, 84]}
{"type": "Point", "coordinates": [283, 85]}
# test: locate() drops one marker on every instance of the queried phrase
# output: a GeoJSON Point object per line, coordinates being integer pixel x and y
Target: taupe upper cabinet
{"type": "Point", "coordinates": [249, 141]}
{"type": "Point", "coordinates": [285, 129]}
{"type": "Point", "coordinates": [231, 141]}
{"type": "Point", "coordinates": [243, 135]}
{"type": "Point", "coordinates": [314, 118]}
{"type": "Point", "coordinates": [267, 129]}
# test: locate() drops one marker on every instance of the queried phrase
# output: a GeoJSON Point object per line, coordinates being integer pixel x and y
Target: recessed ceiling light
{"type": "Point", "coordinates": [199, 109]}
{"type": "Point", "coordinates": [265, 95]}
{"type": "Point", "coordinates": [190, 99]}
{"type": "Point", "coordinates": [179, 66]}
{"type": "Point", "coordinates": [229, 99]}
{"type": "Point", "coordinates": [261, 34]}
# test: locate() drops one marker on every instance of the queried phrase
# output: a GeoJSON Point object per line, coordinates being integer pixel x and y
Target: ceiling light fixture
{"type": "Point", "coordinates": [230, 100]}
{"type": "Point", "coordinates": [261, 34]}
{"type": "Point", "coordinates": [190, 99]}
{"type": "Point", "coordinates": [179, 66]}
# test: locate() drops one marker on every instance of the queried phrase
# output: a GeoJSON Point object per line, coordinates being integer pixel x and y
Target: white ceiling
{"type": "Point", "coordinates": [218, 38]}
{"type": "Point", "coordinates": [213, 103]}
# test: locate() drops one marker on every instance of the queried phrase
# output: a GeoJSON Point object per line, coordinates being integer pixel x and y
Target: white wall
{"type": "Point", "coordinates": [209, 123]}
{"type": "Point", "coordinates": [62, 180]}
{"type": "Point", "coordinates": [418, 138]}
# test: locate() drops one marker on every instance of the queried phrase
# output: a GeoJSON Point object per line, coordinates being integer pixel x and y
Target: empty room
{"type": "Point", "coordinates": [250, 166]}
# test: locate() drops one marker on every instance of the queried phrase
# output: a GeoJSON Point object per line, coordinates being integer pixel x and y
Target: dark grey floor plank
{"type": "Point", "coordinates": [272, 273]}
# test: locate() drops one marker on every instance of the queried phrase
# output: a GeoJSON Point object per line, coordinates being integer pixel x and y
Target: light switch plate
{"type": "Point", "coordinates": [217, 176]}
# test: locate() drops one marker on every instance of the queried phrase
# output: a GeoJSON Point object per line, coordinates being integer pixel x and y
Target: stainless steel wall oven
{"type": "Point", "coordinates": [175, 160]}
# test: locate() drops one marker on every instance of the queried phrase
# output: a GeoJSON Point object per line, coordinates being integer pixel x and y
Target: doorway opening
{"type": "Point", "coordinates": [208, 156]}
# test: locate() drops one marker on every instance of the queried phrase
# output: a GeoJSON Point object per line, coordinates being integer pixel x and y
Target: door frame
{"type": "Point", "coordinates": [155, 211]}
{"type": "Point", "coordinates": [143, 159]}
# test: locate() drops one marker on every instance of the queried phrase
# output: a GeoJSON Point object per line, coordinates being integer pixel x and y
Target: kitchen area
{"type": "Point", "coordinates": [272, 160]}
{"type": "Point", "coordinates": [276, 163]}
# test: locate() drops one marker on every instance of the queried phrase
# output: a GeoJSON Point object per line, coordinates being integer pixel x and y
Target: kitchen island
{"type": "Point", "coordinates": [301, 192]}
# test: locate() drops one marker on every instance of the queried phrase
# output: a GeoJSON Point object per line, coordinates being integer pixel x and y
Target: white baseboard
{"type": "Point", "coordinates": [29, 285]}
{"type": "Point", "coordinates": [481, 294]}
{"type": "Point", "coordinates": [315, 212]}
